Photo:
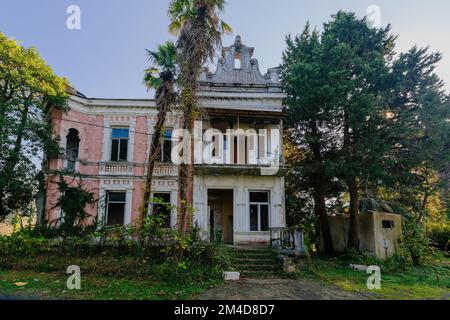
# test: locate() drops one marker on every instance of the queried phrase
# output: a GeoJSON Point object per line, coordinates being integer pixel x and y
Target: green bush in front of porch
{"type": "Point", "coordinates": [165, 261]}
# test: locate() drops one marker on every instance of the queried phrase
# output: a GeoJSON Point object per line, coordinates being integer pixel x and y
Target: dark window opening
{"type": "Point", "coordinates": [259, 197]}
{"type": "Point", "coordinates": [264, 214]}
{"type": "Point", "coordinates": [167, 147]}
{"type": "Point", "coordinates": [211, 226]}
{"type": "Point", "coordinates": [253, 217]}
{"type": "Point", "coordinates": [165, 152]}
{"type": "Point", "coordinates": [213, 141]}
{"type": "Point", "coordinates": [388, 224]}
{"type": "Point", "coordinates": [115, 208]}
{"type": "Point", "coordinates": [162, 208]}
{"type": "Point", "coordinates": [259, 211]}
{"type": "Point", "coordinates": [72, 148]}
{"type": "Point", "coordinates": [119, 145]}
{"type": "Point", "coordinates": [69, 195]}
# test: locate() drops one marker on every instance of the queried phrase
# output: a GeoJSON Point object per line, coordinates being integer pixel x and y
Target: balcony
{"type": "Point", "coordinates": [233, 169]}
{"type": "Point", "coordinates": [127, 169]}
{"type": "Point", "coordinates": [165, 170]}
{"type": "Point", "coordinates": [116, 168]}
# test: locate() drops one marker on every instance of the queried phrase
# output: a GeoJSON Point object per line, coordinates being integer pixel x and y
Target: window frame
{"type": "Point", "coordinates": [71, 161]}
{"type": "Point", "coordinates": [119, 144]}
{"type": "Point", "coordinates": [259, 204]}
{"type": "Point", "coordinates": [161, 158]}
{"type": "Point", "coordinates": [108, 202]}
{"type": "Point", "coordinates": [62, 215]}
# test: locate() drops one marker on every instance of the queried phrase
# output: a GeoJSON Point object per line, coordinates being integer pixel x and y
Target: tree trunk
{"type": "Point", "coordinates": [195, 46]}
{"type": "Point", "coordinates": [353, 233]}
{"type": "Point", "coordinates": [165, 98]}
{"type": "Point", "coordinates": [13, 156]}
{"type": "Point", "coordinates": [321, 212]}
{"type": "Point", "coordinates": [190, 183]}
{"type": "Point", "coordinates": [423, 208]}
{"type": "Point", "coordinates": [186, 181]}
{"type": "Point", "coordinates": [320, 209]}
{"type": "Point", "coordinates": [155, 149]}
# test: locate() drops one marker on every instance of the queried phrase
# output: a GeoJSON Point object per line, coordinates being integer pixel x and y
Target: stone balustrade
{"type": "Point", "coordinates": [161, 170]}
{"type": "Point", "coordinates": [116, 168]}
{"type": "Point", "coordinates": [165, 170]}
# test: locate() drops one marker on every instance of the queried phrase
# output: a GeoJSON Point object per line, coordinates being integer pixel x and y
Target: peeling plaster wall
{"type": "Point", "coordinates": [93, 118]}
{"type": "Point", "coordinates": [241, 185]}
{"type": "Point", "coordinates": [382, 242]}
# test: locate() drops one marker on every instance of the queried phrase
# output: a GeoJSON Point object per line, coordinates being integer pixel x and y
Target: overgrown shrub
{"type": "Point", "coordinates": [121, 251]}
{"type": "Point", "coordinates": [415, 247]}
{"type": "Point", "coordinates": [439, 233]}
{"type": "Point", "coordinates": [22, 244]}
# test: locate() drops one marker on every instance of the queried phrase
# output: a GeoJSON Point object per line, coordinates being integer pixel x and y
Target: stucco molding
{"type": "Point", "coordinates": [109, 122]}
{"type": "Point", "coordinates": [246, 73]}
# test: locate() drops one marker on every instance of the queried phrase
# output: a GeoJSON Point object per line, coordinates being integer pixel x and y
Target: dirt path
{"type": "Point", "coordinates": [279, 289]}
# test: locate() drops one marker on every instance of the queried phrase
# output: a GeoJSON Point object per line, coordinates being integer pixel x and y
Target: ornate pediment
{"type": "Point", "coordinates": [236, 66]}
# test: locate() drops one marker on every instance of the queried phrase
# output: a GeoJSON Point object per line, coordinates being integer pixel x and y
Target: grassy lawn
{"type": "Point", "coordinates": [104, 277]}
{"type": "Point", "coordinates": [127, 278]}
{"type": "Point", "coordinates": [412, 283]}
{"type": "Point", "coordinates": [53, 285]}
{"type": "Point", "coordinates": [109, 274]}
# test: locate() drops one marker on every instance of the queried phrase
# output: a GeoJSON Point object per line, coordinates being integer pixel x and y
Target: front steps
{"type": "Point", "coordinates": [256, 262]}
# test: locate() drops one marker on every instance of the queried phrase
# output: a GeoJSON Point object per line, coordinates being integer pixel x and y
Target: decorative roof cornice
{"type": "Point", "coordinates": [245, 74]}
{"type": "Point", "coordinates": [230, 87]}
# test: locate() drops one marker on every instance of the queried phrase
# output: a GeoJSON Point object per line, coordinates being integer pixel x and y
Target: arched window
{"type": "Point", "coordinates": [73, 145]}
{"type": "Point", "coordinates": [237, 61]}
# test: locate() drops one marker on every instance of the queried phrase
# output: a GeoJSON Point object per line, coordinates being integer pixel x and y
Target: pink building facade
{"type": "Point", "coordinates": [106, 142]}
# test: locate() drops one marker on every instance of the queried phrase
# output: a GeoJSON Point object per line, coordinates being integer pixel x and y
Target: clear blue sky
{"type": "Point", "coordinates": [106, 58]}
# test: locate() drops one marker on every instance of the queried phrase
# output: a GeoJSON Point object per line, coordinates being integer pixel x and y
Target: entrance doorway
{"type": "Point", "coordinates": [220, 215]}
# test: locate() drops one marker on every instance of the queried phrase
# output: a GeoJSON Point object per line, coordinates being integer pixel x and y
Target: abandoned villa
{"type": "Point", "coordinates": [236, 195]}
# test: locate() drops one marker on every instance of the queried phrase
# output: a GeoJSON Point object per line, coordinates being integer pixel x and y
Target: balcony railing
{"type": "Point", "coordinates": [160, 170]}
{"type": "Point", "coordinates": [113, 168]}
{"type": "Point", "coordinates": [288, 240]}
{"type": "Point", "coordinates": [165, 170]}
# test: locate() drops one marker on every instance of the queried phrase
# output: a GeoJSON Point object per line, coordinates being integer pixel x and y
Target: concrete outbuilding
{"type": "Point", "coordinates": [380, 233]}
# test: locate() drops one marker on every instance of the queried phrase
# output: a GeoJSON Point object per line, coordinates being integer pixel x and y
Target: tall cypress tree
{"type": "Point", "coordinates": [308, 120]}
{"type": "Point", "coordinates": [356, 62]}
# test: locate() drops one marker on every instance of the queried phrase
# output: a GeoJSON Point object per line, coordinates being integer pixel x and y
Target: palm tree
{"type": "Point", "coordinates": [199, 30]}
{"type": "Point", "coordinates": [161, 77]}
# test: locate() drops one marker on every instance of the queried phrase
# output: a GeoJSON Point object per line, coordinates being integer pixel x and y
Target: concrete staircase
{"type": "Point", "coordinates": [256, 262]}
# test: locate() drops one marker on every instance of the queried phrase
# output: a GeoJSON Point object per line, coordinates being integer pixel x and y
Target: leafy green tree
{"type": "Point", "coordinates": [420, 145]}
{"type": "Point", "coordinates": [420, 136]}
{"type": "Point", "coordinates": [356, 61]}
{"type": "Point", "coordinates": [161, 77]}
{"type": "Point", "coordinates": [29, 90]}
{"type": "Point", "coordinates": [199, 29]}
{"type": "Point", "coordinates": [310, 134]}
{"type": "Point", "coordinates": [336, 84]}
{"type": "Point", "coordinates": [73, 201]}
{"type": "Point", "coordinates": [376, 122]}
